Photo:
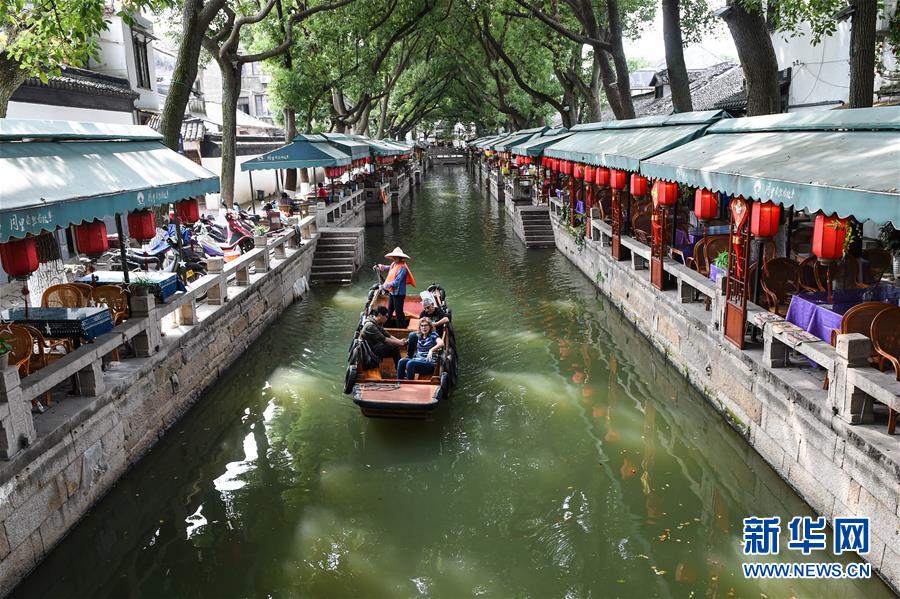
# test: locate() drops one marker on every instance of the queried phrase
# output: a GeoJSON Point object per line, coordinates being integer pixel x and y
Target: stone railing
{"type": "Point", "coordinates": [341, 210]}
{"type": "Point", "coordinates": [143, 332]}
{"type": "Point", "coordinates": [852, 385]}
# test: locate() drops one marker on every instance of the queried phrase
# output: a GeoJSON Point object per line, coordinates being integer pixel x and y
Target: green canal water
{"type": "Point", "coordinates": [572, 460]}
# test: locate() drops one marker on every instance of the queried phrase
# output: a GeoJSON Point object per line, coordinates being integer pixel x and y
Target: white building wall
{"type": "Point", "coordinates": [264, 180]}
{"type": "Point", "coordinates": [819, 74]}
{"type": "Point", "coordinates": [24, 110]}
{"type": "Point", "coordinates": [117, 59]}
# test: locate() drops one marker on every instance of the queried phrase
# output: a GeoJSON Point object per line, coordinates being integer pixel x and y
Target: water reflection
{"type": "Point", "coordinates": [572, 460]}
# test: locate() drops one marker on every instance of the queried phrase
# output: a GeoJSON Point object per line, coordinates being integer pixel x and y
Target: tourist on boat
{"type": "Point", "coordinates": [437, 314]}
{"type": "Point", "coordinates": [382, 344]}
{"type": "Point", "coordinates": [423, 361]}
{"type": "Point", "coordinates": [398, 277]}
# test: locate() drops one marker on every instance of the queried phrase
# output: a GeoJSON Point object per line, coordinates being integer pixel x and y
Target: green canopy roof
{"type": "Point", "coordinates": [379, 148]}
{"type": "Point", "coordinates": [50, 183]}
{"type": "Point", "coordinates": [355, 148]}
{"type": "Point", "coordinates": [624, 144]}
{"type": "Point", "coordinates": [306, 151]}
{"type": "Point", "coordinates": [485, 142]}
{"type": "Point", "coordinates": [844, 161]}
{"type": "Point", "coordinates": [535, 145]}
{"type": "Point", "coordinates": [518, 137]}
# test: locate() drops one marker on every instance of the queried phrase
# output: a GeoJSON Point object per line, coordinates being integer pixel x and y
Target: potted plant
{"type": "Point", "coordinates": [259, 235]}
{"type": "Point", "coordinates": [889, 237]}
{"type": "Point", "coordinates": [141, 287]}
{"type": "Point", "coordinates": [721, 263]}
{"type": "Point", "coordinates": [5, 352]}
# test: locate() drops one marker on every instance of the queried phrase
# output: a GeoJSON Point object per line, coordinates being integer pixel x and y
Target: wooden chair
{"type": "Point", "coordinates": [880, 262]}
{"type": "Point", "coordinates": [885, 336]}
{"type": "Point", "coordinates": [780, 281]}
{"type": "Point", "coordinates": [62, 296]}
{"type": "Point", "coordinates": [808, 280]}
{"type": "Point", "coordinates": [714, 246]}
{"type": "Point", "coordinates": [85, 291]}
{"type": "Point", "coordinates": [843, 274]}
{"type": "Point", "coordinates": [642, 228]}
{"type": "Point", "coordinates": [23, 348]}
{"type": "Point", "coordinates": [801, 240]}
{"type": "Point", "coordinates": [43, 353]}
{"type": "Point", "coordinates": [114, 298]}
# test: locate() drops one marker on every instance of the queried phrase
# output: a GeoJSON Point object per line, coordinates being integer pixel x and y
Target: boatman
{"type": "Point", "coordinates": [398, 276]}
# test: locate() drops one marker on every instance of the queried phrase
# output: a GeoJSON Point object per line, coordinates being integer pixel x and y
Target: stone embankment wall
{"type": "Point", "coordinates": [837, 471]}
{"type": "Point", "coordinates": [49, 486]}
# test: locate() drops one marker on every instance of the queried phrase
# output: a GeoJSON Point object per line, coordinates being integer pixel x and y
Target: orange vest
{"type": "Point", "coordinates": [394, 269]}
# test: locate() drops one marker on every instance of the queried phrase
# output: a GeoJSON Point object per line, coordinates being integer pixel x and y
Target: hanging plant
{"type": "Point", "coordinates": [721, 261]}
{"type": "Point", "coordinates": [849, 234]}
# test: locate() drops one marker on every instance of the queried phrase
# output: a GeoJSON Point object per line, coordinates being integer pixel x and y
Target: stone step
{"type": "Point", "coordinates": [346, 247]}
{"type": "Point", "coordinates": [333, 273]}
{"type": "Point", "coordinates": [331, 277]}
{"type": "Point", "coordinates": [333, 240]}
{"type": "Point", "coordinates": [317, 259]}
{"type": "Point", "coordinates": [539, 218]}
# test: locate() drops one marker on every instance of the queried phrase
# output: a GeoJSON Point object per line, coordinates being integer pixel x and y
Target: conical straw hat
{"type": "Point", "coordinates": [397, 253]}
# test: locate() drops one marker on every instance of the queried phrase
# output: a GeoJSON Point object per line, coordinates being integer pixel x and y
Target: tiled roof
{"type": "Point", "coordinates": [192, 129]}
{"type": "Point", "coordinates": [709, 88]}
{"type": "Point", "coordinates": [76, 79]}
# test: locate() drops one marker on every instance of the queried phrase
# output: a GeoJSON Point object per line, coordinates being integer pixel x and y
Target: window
{"type": "Point", "coordinates": [243, 104]}
{"type": "Point", "coordinates": [141, 64]}
{"type": "Point", "coordinates": [262, 109]}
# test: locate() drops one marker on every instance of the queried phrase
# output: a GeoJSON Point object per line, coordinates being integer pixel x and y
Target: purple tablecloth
{"type": "Point", "coordinates": [811, 312]}
{"type": "Point", "coordinates": [715, 271]}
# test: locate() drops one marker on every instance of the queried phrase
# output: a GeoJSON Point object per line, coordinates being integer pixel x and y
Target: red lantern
{"type": "Point", "coordinates": [554, 165]}
{"type": "Point", "coordinates": [333, 172]}
{"type": "Point", "coordinates": [665, 193]}
{"type": "Point", "coordinates": [601, 176]}
{"type": "Point", "coordinates": [142, 225]}
{"type": "Point", "coordinates": [526, 159]}
{"type": "Point", "coordinates": [90, 238]}
{"type": "Point", "coordinates": [545, 160]}
{"type": "Point", "coordinates": [638, 185]}
{"type": "Point", "coordinates": [828, 237]}
{"type": "Point", "coordinates": [618, 179]}
{"type": "Point", "coordinates": [565, 167]}
{"type": "Point", "coordinates": [706, 205]}
{"type": "Point", "coordinates": [188, 211]}
{"type": "Point", "coordinates": [589, 173]}
{"type": "Point", "coordinates": [578, 171]}
{"type": "Point", "coordinates": [764, 219]}
{"type": "Point", "coordinates": [368, 160]}
{"type": "Point", "coordinates": [19, 257]}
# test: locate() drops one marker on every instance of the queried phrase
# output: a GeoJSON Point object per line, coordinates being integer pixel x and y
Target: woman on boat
{"type": "Point", "coordinates": [423, 362]}
{"type": "Point", "coordinates": [398, 276]}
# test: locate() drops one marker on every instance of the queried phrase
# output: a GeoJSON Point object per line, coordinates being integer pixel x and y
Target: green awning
{"type": "Point", "coordinates": [18, 129]}
{"type": "Point", "coordinates": [844, 161]}
{"type": "Point", "coordinates": [486, 142]}
{"type": "Point", "coordinates": [305, 151]}
{"type": "Point", "coordinates": [355, 148]}
{"type": "Point", "coordinates": [622, 148]}
{"type": "Point", "coordinates": [518, 137]}
{"type": "Point", "coordinates": [50, 184]}
{"type": "Point", "coordinates": [536, 145]}
{"type": "Point", "coordinates": [379, 148]}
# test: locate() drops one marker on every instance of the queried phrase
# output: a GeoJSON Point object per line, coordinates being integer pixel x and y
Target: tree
{"type": "Point", "coordinates": [822, 16]}
{"type": "Point", "coordinates": [757, 56]}
{"type": "Point", "coordinates": [604, 35]}
{"type": "Point", "coordinates": [37, 39]}
{"type": "Point", "coordinates": [197, 15]}
{"type": "Point", "coordinates": [223, 44]}
{"type": "Point", "coordinates": [674, 47]}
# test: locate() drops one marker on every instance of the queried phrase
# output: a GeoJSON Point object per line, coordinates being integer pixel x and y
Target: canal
{"type": "Point", "coordinates": [571, 461]}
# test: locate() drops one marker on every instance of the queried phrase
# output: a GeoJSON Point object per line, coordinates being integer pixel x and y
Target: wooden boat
{"type": "Point", "coordinates": [378, 392]}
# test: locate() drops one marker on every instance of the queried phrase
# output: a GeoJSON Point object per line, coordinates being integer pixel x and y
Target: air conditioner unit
{"type": "Point", "coordinates": [883, 24]}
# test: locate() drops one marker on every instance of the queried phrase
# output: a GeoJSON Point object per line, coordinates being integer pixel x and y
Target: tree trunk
{"type": "Point", "coordinates": [11, 78]}
{"type": "Point", "coordinates": [231, 89]}
{"type": "Point", "coordinates": [290, 131]}
{"type": "Point", "coordinates": [862, 53]}
{"type": "Point", "coordinates": [193, 28]}
{"type": "Point", "coordinates": [757, 56]}
{"type": "Point", "coordinates": [362, 126]}
{"type": "Point", "coordinates": [595, 106]}
{"type": "Point", "coordinates": [623, 83]}
{"type": "Point", "coordinates": [382, 117]}
{"type": "Point", "coordinates": [608, 79]}
{"type": "Point", "coordinates": [678, 77]}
